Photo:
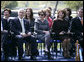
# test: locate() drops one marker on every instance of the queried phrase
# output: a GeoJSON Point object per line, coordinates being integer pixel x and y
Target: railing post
{"type": "Point", "coordinates": [77, 58]}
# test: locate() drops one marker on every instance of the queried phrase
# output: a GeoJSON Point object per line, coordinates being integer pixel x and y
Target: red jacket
{"type": "Point", "coordinates": [50, 22]}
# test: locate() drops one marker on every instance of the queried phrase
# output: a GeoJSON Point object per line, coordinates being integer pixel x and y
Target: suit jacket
{"type": "Point", "coordinates": [16, 26]}
{"type": "Point", "coordinates": [77, 27]}
{"type": "Point", "coordinates": [6, 24]}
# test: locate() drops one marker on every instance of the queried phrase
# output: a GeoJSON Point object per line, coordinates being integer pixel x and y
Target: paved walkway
{"type": "Point", "coordinates": [43, 57]}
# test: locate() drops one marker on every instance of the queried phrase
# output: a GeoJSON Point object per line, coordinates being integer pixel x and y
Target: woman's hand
{"type": "Point", "coordinates": [29, 33]}
{"type": "Point", "coordinates": [61, 33]}
{"type": "Point", "coordinates": [23, 35]}
{"type": "Point", "coordinates": [46, 32]}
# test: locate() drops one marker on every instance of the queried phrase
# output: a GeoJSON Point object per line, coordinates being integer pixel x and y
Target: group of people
{"type": "Point", "coordinates": [27, 29]}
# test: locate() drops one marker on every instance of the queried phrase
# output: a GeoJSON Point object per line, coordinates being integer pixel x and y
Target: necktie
{"type": "Point", "coordinates": [82, 21]}
{"type": "Point", "coordinates": [22, 24]}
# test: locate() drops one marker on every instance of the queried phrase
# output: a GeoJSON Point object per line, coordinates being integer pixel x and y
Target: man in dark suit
{"type": "Point", "coordinates": [21, 29]}
{"type": "Point", "coordinates": [77, 27]}
{"type": "Point", "coordinates": [6, 34]}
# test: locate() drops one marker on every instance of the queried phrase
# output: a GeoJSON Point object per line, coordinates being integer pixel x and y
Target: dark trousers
{"type": "Point", "coordinates": [29, 39]}
{"type": "Point", "coordinates": [73, 48]}
{"type": "Point", "coordinates": [33, 47]}
{"type": "Point", "coordinates": [7, 42]}
{"type": "Point", "coordinates": [6, 50]}
{"type": "Point", "coordinates": [13, 48]}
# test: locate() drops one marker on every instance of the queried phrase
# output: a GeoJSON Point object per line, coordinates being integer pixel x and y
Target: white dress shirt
{"type": "Point", "coordinates": [7, 18]}
{"type": "Point", "coordinates": [80, 18]}
{"type": "Point", "coordinates": [22, 24]}
{"type": "Point", "coordinates": [1, 26]}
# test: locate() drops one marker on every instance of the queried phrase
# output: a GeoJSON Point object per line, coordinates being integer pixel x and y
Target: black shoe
{"type": "Point", "coordinates": [49, 57]}
{"type": "Point", "coordinates": [46, 52]}
{"type": "Point", "coordinates": [20, 58]}
{"type": "Point", "coordinates": [6, 59]}
{"type": "Point", "coordinates": [26, 54]}
{"type": "Point", "coordinates": [33, 58]}
{"type": "Point", "coordinates": [13, 59]}
{"type": "Point", "coordinates": [55, 50]}
{"type": "Point", "coordinates": [37, 54]}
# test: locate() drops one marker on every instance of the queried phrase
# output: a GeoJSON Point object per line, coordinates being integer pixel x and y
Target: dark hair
{"type": "Point", "coordinates": [41, 11]}
{"type": "Point", "coordinates": [6, 9]}
{"type": "Point", "coordinates": [63, 11]}
{"type": "Point", "coordinates": [68, 9]}
{"type": "Point", "coordinates": [31, 15]}
{"type": "Point", "coordinates": [50, 8]}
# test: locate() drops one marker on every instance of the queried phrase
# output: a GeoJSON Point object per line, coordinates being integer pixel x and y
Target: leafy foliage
{"type": "Point", "coordinates": [74, 4]}
{"type": "Point", "coordinates": [8, 4]}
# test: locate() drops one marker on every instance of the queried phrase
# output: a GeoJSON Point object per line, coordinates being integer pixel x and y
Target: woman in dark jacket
{"type": "Point", "coordinates": [68, 17]}
{"type": "Point", "coordinates": [60, 26]}
{"type": "Point", "coordinates": [30, 19]}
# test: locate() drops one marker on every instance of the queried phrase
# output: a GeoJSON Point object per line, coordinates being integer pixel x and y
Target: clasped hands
{"type": "Point", "coordinates": [46, 32]}
{"type": "Point", "coordinates": [25, 35]}
{"type": "Point", "coordinates": [61, 33]}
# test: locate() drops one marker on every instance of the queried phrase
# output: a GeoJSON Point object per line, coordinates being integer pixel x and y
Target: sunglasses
{"type": "Point", "coordinates": [41, 14]}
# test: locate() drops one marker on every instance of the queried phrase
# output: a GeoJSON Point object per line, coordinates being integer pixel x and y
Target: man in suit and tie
{"type": "Point", "coordinates": [77, 26]}
{"type": "Point", "coordinates": [21, 29]}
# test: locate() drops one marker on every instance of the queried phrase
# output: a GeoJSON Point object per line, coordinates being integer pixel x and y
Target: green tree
{"type": "Point", "coordinates": [74, 4]}
{"type": "Point", "coordinates": [8, 4]}
{"type": "Point", "coordinates": [4, 4]}
{"type": "Point", "coordinates": [12, 5]}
